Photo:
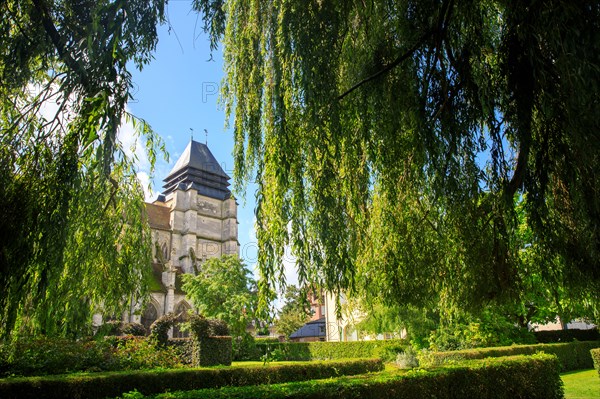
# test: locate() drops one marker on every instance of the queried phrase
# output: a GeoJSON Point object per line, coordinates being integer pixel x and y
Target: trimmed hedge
{"type": "Point", "coordinates": [571, 356]}
{"type": "Point", "coordinates": [212, 351]}
{"type": "Point", "coordinates": [210, 345]}
{"type": "Point", "coordinates": [46, 356]}
{"type": "Point", "coordinates": [529, 377]}
{"type": "Point", "coordinates": [101, 385]}
{"type": "Point", "coordinates": [386, 350]}
{"type": "Point", "coordinates": [596, 358]}
{"type": "Point", "coordinates": [545, 337]}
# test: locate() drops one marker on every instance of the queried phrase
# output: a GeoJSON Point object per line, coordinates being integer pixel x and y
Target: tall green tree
{"type": "Point", "coordinates": [393, 136]}
{"type": "Point", "coordinates": [295, 311]}
{"type": "Point", "coordinates": [224, 289]}
{"type": "Point", "coordinates": [73, 236]}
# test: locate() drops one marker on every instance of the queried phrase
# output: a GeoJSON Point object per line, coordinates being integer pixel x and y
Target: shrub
{"type": "Point", "coordinates": [101, 385]}
{"type": "Point", "coordinates": [58, 356]}
{"type": "Point", "coordinates": [217, 328]}
{"type": "Point", "coordinates": [596, 358]}
{"type": "Point", "coordinates": [487, 329]}
{"type": "Point", "coordinates": [212, 351]}
{"type": "Point", "coordinates": [115, 328]}
{"type": "Point", "coordinates": [407, 359]}
{"type": "Point", "coordinates": [386, 350]}
{"type": "Point", "coordinates": [135, 329]}
{"type": "Point", "coordinates": [111, 327]}
{"type": "Point", "coordinates": [183, 348]}
{"type": "Point", "coordinates": [534, 377]}
{"type": "Point", "coordinates": [571, 356]}
{"type": "Point", "coordinates": [244, 348]}
{"type": "Point", "coordinates": [207, 349]}
{"type": "Point", "coordinates": [159, 330]}
{"type": "Point", "coordinates": [43, 356]}
{"type": "Point", "coordinates": [266, 340]}
{"type": "Point", "coordinates": [138, 354]}
{"type": "Point", "coordinates": [567, 335]}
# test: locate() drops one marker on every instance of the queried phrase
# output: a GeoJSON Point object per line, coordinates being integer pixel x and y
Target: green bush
{"type": "Point", "coordinates": [135, 329]}
{"type": "Point", "coordinates": [101, 385]}
{"type": "Point", "coordinates": [244, 348]}
{"type": "Point", "coordinates": [111, 327]}
{"type": "Point", "coordinates": [387, 350]}
{"type": "Point", "coordinates": [183, 348]}
{"type": "Point", "coordinates": [142, 354]}
{"type": "Point", "coordinates": [407, 359]}
{"type": "Point", "coordinates": [207, 349]}
{"type": "Point", "coordinates": [596, 358]}
{"type": "Point", "coordinates": [159, 330]}
{"type": "Point", "coordinates": [571, 356]}
{"type": "Point", "coordinates": [487, 329]}
{"type": "Point", "coordinates": [115, 327]}
{"type": "Point", "coordinates": [532, 377]}
{"type": "Point", "coordinates": [266, 340]}
{"type": "Point", "coordinates": [43, 356]}
{"type": "Point", "coordinates": [544, 337]}
{"type": "Point", "coordinates": [58, 356]}
{"type": "Point", "coordinates": [212, 351]}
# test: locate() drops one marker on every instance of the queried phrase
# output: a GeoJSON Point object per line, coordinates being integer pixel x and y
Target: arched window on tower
{"type": "Point", "coordinates": [149, 316]}
{"type": "Point", "coordinates": [182, 309]}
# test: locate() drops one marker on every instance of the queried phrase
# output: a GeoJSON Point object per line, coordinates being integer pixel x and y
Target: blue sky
{"type": "Point", "coordinates": [179, 90]}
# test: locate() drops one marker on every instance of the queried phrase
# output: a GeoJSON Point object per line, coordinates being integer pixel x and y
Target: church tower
{"type": "Point", "coordinates": [194, 219]}
{"type": "Point", "coordinates": [203, 214]}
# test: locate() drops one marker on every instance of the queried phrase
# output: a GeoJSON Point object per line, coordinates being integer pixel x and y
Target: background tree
{"type": "Point", "coordinates": [393, 137]}
{"type": "Point", "coordinates": [224, 289]}
{"type": "Point", "coordinates": [294, 313]}
{"type": "Point", "coordinates": [74, 235]}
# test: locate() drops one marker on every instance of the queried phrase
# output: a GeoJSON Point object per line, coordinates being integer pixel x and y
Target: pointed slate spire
{"type": "Point", "coordinates": [197, 168]}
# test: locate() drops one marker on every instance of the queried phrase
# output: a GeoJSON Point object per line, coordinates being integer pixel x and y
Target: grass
{"type": "Point", "coordinates": [581, 384]}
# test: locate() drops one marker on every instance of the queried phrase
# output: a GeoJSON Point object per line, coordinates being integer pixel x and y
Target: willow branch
{"type": "Point", "coordinates": [389, 67]}
{"type": "Point", "coordinates": [56, 39]}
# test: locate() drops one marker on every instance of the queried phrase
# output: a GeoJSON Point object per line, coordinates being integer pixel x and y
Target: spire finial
{"type": "Point", "coordinates": [191, 134]}
{"type": "Point", "coordinates": [206, 133]}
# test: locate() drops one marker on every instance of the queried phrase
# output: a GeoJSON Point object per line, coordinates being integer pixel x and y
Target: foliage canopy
{"type": "Point", "coordinates": [294, 313]}
{"type": "Point", "coordinates": [73, 236]}
{"type": "Point", "coordinates": [224, 289]}
{"type": "Point", "coordinates": [391, 141]}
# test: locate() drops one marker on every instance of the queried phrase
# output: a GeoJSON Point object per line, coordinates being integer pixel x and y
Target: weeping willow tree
{"type": "Point", "coordinates": [391, 140]}
{"type": "Point", "coordinates": [73, 233]}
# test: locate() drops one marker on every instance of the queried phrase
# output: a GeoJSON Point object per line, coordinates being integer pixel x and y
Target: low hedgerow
{"type": "Point", "coordinates": [387, 350]}
{"type": "Point", "coordinates": [546, 337]}
{"type": "Point", "coordinates": [45, 356]}
{"type": "Point", "coordinates": [596, 358]}
{"type": "Point", "coordinates": [101, 385]}
{"type": "Point", "coordinates": [529, 377]}
{"type": "Point", "coordinates": [55, 356]}
{"type": "Point", "coordinates": [571, 356]}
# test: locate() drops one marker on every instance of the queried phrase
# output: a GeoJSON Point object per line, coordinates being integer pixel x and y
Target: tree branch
{"type": "Point", "coordinates": [56, 39]}
{"type": "Point", "coordinates": [389, 67]}
{"type": "Point", "coordinates": [440, 30]}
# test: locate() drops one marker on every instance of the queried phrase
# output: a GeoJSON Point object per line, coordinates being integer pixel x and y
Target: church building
{"type": "Point", "coordinates": [194, 219]}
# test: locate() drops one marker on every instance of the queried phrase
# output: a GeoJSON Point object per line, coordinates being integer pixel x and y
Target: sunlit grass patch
{"type": "Point", "coordinates": [581, 384]}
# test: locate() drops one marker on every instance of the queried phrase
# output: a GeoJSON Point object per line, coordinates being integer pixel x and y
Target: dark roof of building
{"type": "Point", "coordinates": [314, 328]}
{"type": "Point", "coordinates": [198, 169]}
{"type": "Point", "coordinates": [158, 216]}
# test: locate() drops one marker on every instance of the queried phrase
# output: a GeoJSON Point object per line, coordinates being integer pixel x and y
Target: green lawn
{"type": "Point", "coordinates": [581, 384]}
